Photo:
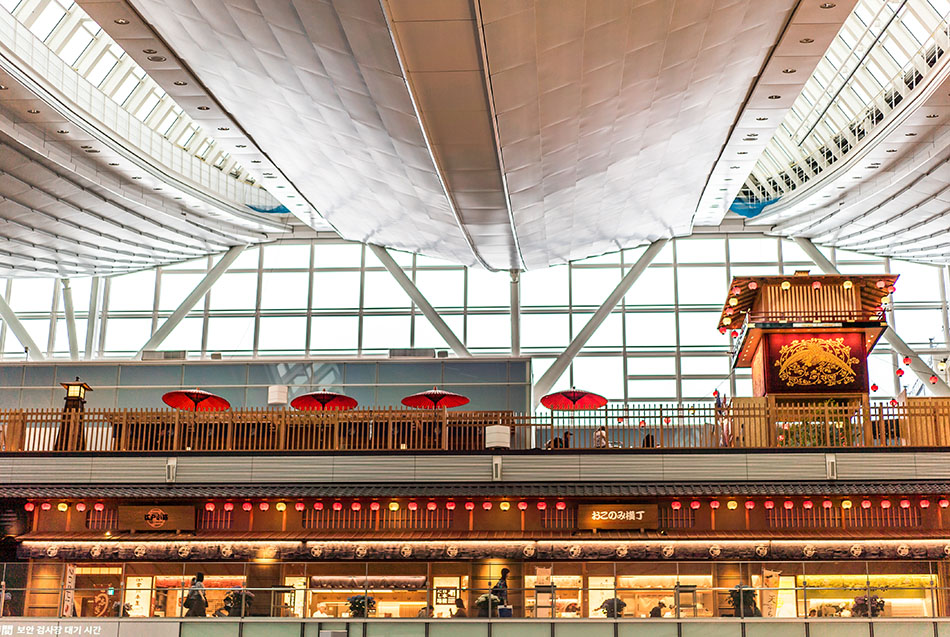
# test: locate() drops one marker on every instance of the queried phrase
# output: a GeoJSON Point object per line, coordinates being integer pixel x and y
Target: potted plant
{"type": "Point", "coordinates": [865, 606]}
{"type": "Point", "coordinates": [613, 607]}
{"type": "Point", "coordinates": [742, 598]}
{"type": "Point", "coordinates": [361, 605]}
{"type": "Point", "coordinates": [487, 605]}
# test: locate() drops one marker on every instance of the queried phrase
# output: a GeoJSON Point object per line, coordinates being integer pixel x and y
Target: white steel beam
{"type": "Point", "coordinates": [93, 317]}
{"type": "Point", "coordinates": [6, 313]}
{"type": "Point", "coordinates": [547, 380]}
{"type": "Point", "coordinates": [917, 365]}
{"type": "Point", "coordinates": [515, 312]}
{"type": "Point", "coordinates": [186, 306]}
{"type": "Point", "coordinates": [70, 321]}
{"type": "Point", "coordinates": [421, 302]}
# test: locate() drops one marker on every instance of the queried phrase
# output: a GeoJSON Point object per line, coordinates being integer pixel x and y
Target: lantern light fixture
{"type": "Point", "coordinates": [29, 507]}
{"type": "Point", "coordinates": [846, 504]}
{"type": "Point", "coordinates": [676, 505]}
{"type": "Point", "coordinates": [827, 504]}
{"type": "Point", "coordinates": [925, 504]}
{"type": "Point", "coordinates": [247, 506]}
{"type": "Point", "coordinates": [865, 504]}
{"type": "Point", "coordinates": [300, 506]}
{"type": "Point", "coordinates": [789, 505]}
{"type": "Point", "coordinates": [432, 506]}
{"type": "Point", "coordinates": [847, 285]}
{"type": "Point", "coordinates": [337, 506]}
{"type": "Point", "coordinates": [450, 505]}
{"type": "Point", "coordinates": [816, 285]}
{"type": "Point", "coordinates": [374, 506]}
{"type": "Point", "coordinates": [732, 505]}
{"type": "Point", "coordinates": [808, 505]}
{"type": "Point", "coordinates": [753, 285]}
{"type": "Point", "coordinates": [81, 507]}
{"type": "Point", "coordinates": [769, 505]}
{"type": "Point", "coordinates": [356, 506]}
{"type": "Point", "coordinates": [749, 504]}
{"type": "Point", "coordinates": [694, 505]}
{"type": "Point", "coordinates": [905, 504]}
{"type": "Point", "coordinates": [714, 504]}
{"type": "Point", "coordinates": [899, 372]}
{"type": "Point", "coordinates": [907, 360]}
{"type": "Point", "coordinates": [542, 505]}
{"type": "Point", "coordinates": [874, 387]}
{"type": "Point", "coordinates": [487, 505]}
{"type": "Point", "coordinates": [62, 507]}
{"type": "Point", "coordinates": [318, 506]}
{"type": "Point", "coordinates": [228, 506]}
{"type": "Point", "coordinates": [281, 506]}
{"type": "Point", "coordinates": [209, 506]}
{"type": "Point", "coordinates": [393, 506]}
{"type": "Point", "coordinates": [560, 506]}
{"type": "Point", "coordinates": [46, 506]}
{"type": "Point", "coordinates": [522, 506]}
{"type": "Point", "coordinates": [885, 504]}
{"type": "Point", "coordinates": [786, 285]}
{"type": "Point", "coordinates": [412, 506]}
{"type": "Point", "coordinates": [469, 506]}
{"type": "Point", "coordinates": [943, 503]}
{"type": "Point", "coordinates": [263, 506]}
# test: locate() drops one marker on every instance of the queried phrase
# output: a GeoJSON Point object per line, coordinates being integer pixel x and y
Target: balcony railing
{"type": "Point", "coordinates": [745, 423]}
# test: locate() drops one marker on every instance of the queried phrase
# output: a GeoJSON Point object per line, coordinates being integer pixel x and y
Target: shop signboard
{"type": "Point", "coordinates": [618, 516]}
{"type": "Point", "coordinates": [156, 518]}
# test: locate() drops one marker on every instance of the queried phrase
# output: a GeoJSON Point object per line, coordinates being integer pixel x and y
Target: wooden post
{"type": "Point", "coordinates": [281, 430]}
{"type": "Point", "coordinates": [176, 435]}
{"type": "Point", "coordinates": [445, 429]}
{"type": "Point", "coordinates": [868, 435]}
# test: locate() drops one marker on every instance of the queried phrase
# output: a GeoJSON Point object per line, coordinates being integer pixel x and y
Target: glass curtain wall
{"type": "Point", "coordinates": [332, 298]}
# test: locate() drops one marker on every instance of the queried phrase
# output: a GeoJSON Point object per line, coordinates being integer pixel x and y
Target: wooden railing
{"type": "Point", "coordinates": [744, 423]}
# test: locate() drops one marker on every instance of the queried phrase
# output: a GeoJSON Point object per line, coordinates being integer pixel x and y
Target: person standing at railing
{"type": "Point", "coordinates": [195, 602]}
{"type": "Point", "coordinates": [600, 437]}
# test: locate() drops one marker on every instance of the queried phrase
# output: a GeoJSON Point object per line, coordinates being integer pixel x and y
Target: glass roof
{"type": "Point", "coordinates": [80, 42]}
{"type": "Point", "coordinates": [884, 50]}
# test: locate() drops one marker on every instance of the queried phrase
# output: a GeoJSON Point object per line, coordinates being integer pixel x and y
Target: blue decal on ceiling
{"type": "Point", "coordinates": [279, 210]}
{"type": "Point", "coordinates": [750, 209]}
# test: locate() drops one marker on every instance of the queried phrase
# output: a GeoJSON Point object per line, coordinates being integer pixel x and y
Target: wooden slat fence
{"type": "Point", "coordinates": [754, 423]}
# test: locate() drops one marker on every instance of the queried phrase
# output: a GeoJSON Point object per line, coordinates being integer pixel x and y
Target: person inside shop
{"type": "Point", "coordinates": [600, 438]}
{"type": "Point", "coordinates": [426, 611]}
{"type": "Point", "coordinates": [195, 602]}
{"type": "Point", "coordinates": [657, 611]}
{"type": "Point", "coordinates": [459, 608]}
{"type": "Point", "coordinates": [559, 442]}
{"type": "Point", "coordinates": [500, 589]}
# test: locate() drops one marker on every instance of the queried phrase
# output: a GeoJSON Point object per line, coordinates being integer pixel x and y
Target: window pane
{"type": "Point", "coordinates": [544, 330]}
{"type": "Point", "coordinates": [917, 282]}
{"type": "Point", "coordinates": [700, 250]}
{"type": "Point", "coordinates": [592, 286]}
{"type": "Point", "coordinates": [600, 374]}
{"type": "Point", "coordinates": [235, 291]}
{"type": "Point", "coordinates": [175, 287]}
{"type": "Point", "coordinates": [333, 334]}
{"type": "Point", "coordinates": [699, 328]}
{"type": "Point", "coordinates": [287, 256]}
{"type": "Point", "coordinates": [382, 333]}
{"type": "Point", "coordinates": [653, 287]}
{"type": "Point", "coordinates": [32, 295]}
{"type": "Point", "coordinates": [282, 334]}
{"type": "Point", "coordinates": [125, 336]}
{"type": "Point", "coordinates": [284, 291]}
{"type": "Point", "coordinates": [546, 287]}
{"type": "Point", "coordinates": [609, 334]}
{"type": "Point", "coordinates": [426, 336]}
{"type": "Point", "coordinates": [702, 286]}
{"type": "Point", "coordinates": [336, 290]}
{"type": "Point", "coordinates": [442, 288]}
{"type": "Point", "coordinates": [488, 289]}
{"type": "Point", "coordinates": [651, 329]}
{"type": "Point", "coordinates": [490, 331]}
{"type": "Point", "coordinates": [651, 390]}
{"type": "Point", "coordinates": [231, 334]}
{"type": "Point", "coordinates": [382, 291]}
{"type": "Point", "coordinates": [337, 255]}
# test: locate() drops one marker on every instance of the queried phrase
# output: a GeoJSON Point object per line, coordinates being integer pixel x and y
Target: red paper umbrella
{"type": "Point", "coordinates": [195, 400]}
{"type": "Point", "coordinates": [434, 398]}
{"type": "Point", "coordinates": [573, 400]}
{"type": "Point", "coordinates": [323, 400]}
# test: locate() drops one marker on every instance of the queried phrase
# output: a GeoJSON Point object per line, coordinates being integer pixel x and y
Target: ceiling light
{"type": "Point", "coordinates": [156, 58]}
{"type": "Point", "coordinates": [910, 134]}
{"type": "Point", "coordinates": [761, 119]}
{"type": "Point", "coordinates": [136, 177]}
{"type": "Point", "coordinates": [891, 150]}
{"type": "Point", "coordinates": [223, 128]}
{"type": "Point", "coordinates": [728, 179]}
{"type": "Point", "coordinates": [789, 71]}
{"type": "Point", "coordinates": [92, 150]}
{"type": "Point", "coordinates": [32, 111]}
{"type": "Point", "coordinates": [156, 188]}
{"type": "Point", "coordinates": [113, 163]}
{"type": "Point", "coordinates": [806, 41]}
{"type": "Point", "coordinates": [255, 161]}
{"type": "Point", "coordinates": [204, 108]}
{"type": "Point", "coordinates": [149, 51]}
{"type": "Point", "coordinates": [775, 97]}
{"type": "Point", "coordinates": [827, 5]}
{"type": "Point", "coordinates": [240, 145]}
{"type": "Point", "coordinates": [3, 87]}
{"type": "Point", "coordinates": [742, 152]}
{"type": "Point", "coordinates": [121, 21]}
{"type": "Point", "coordinates": [62, 131]}
{"type": "Point", "coordinates": [932, 116]}
{"type": "Point", "coordinates": [180, 83]}
{"type": "Point", "coordinates": [840, 187]}
{"type": "Point", "coordinates": [86, 146]}
{"type": "Point", "coordinates": [733, 168]}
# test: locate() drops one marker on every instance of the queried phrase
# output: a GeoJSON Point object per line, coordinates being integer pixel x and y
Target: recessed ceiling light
{"type": "Point", "coordinates": [806, 41]}
{"type": "Point", "coordinates": [156, 58]}
{"type": "Point", "coordinates": [733, 168]}
{"type": "Point", "coordinates": [240, 145]}
{"type": "Point", "coordinates": [86, 146]}
{"type": "Point", "coordinates": [742, 152]}
{"type": "Point", "coordinates": [121, 21]}
{"type": "Point", "coordinates": [149, 51]}
{"type": "Point", "coordinates": [840, 187]}
{"type": "Point", "coordinates": [789, 71]}
{"type": "Point", "coordinates": [891, 150]}
{"type": "Point", "coordinates": [63, 131]}
{"type": "Point", "coordinates": [855, 178]}
{"type": "Point", "coordinates": [826, 196]}
{"type": "Point", "coordinates": [932, 116]}
{"type": "Point", "coordinates": [156, 188]}
{"type": "Point", "coordinates": [255, 161]}
{"type": "Point", "coordinates": [761, 119]}
{"type": "Point", "coordinates": [728, 179]}
{"type": "Point", "coordinates": [204, 108]}
{"type": "Point", "coordinates": [827, 5]}
{"type": "Point", "coordinates": [281, 186]}
{"type": "Point", "coordinates": [223, 128]}
{"type": "Point", "coordinates": [775, 97]}
{"type": "Point", "coordinates": [3, 87]}
{"type": "Point", "coordinates": [180, 83]}
{"type": "Point", "coordinates": [113, 163]}
{"type": "Point", "coordinates": [136, 177]}
{"type": "Point", "coordinates": [92, 150]}
{"type": "Point", "coordinates": [291, 196]}
{"type": "Point", "coordinates": [179, 199]}
{"type": "Point", "coordinates": [910, 134]}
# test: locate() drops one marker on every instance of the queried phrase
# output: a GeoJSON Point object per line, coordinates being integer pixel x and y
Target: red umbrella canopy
{"type": "Point", "coordinates": [195, 400]}
{"type": "Point", "coordinates": [572, 400]}
{"type": "Point", "coordinates": [323, 400]}
{"type": "Point", "coordinates": [433, 398]}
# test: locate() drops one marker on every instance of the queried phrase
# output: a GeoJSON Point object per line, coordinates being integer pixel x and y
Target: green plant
{"type": "Point", "coordinates": [825, 423]}
{"type": "Point", "coordinates": [360, 604]}
{"type": "Point", "coordinates": [487, 605]}
{"type": "Point", "coordinates": [743, 603]}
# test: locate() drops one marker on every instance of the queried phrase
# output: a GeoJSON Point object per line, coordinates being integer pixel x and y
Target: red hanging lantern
{"type": "Point", "coordinates": [643, 423]}
{"type": "Point", "coordinates": [734, 334]}
{"type": "Point", "coordinates": [694, 505]}
{"type": "Point", "coordinates": [807, 504]}
{"type": "Point", "coordinates": [432, 506]}
{"type": "Point", "coordinates": [827, 504]}
{"type": "Point", "coordinates": [374, 506]}
{"type": "Point", "coordinates": [899, 372]}
{"type": "Point", "coordinates": [789, 505]}
{"type": "Point", "coordinates": [620, 419]}
{"type": "Point", "coordinates": [675, 505]}
{"type": "Point", "coordinates": [893, 402]}
{"type": "Point", "coordinates": [873, 387]}
{"type": "Point", "coordinates": [753, 285]}
{"type": "Point", "coordinates": [925, 504]}
{"type": "Point", "coordinates": [81, 507]}
{"type": "Point", "coordinates": [714, 504]}
{"type": "Point", "coordinates": [723, 329]}
{"type": "Point", "coordinates": [247, 506]}
{"type": "Point", "coordinates": [667, 420]}
{"type": "Point", "coordinates": [318, 506]}
{"type": "Point", "coordinates": [865, 504]}
{"type": "Point", "coordinates": [769, 505]}
{"type": "Point", "coordinates": [356, 506]}
{"type": "Point", "coordinates": [209, 506]}
{"type": "Point", "coordinates": [905, 504]}
{"type": "Point", "coordinates": [749, 505]}
{"type": "Point", "coordinates": [880, 284]}
{"type": "Point", "coordinates": [560, 506]}
{"type": "Point", "coordinates": [46, 506]}
{"type": "Point", "coordinates": [337, 506]}
{"type": "Point", "coordinates": [469, 506]}
{"type": "Point", "coordinates": [885, 504]}
{"type": "Point", "coordinates": [891, 289]}
{"type": "Point", "coordinates": [943, 503]}
{"type": "Point", "coordinates": [907, 360]}
{"type": "Point", "coordinates": [736, 291]}
{"type": "Point", "coordinates": [300, 506]}
{"type": "Point", "coordinates": [816, 285]}
{"type": "Point", "coordinates": [264, 506]}
{"type": "Point", "coordinates": [29, 507]}
{"type": "Point", "coordinates": [99, 506]}
{"type": "Point", "coordinates": [450, 505]}
{"type": "Point", "coordinates": [487, 505]}
{"type": "Point", "coordinates": [228, 506]}
{"type": "Point", "coordinates": [522, 506]}
{"type": "Point", "coordinates": [412, 506]}
{"type": "Point", "coordinates": [715, 393]}
{"type": "Point", "coordinates": [933, 379]}
{"type": "Point", "coordinates": [542, 505]}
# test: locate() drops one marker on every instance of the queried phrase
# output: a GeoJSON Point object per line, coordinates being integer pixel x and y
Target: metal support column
{"type": "Point", "coordinates": [515, 306]}
{"type": "Point", "coordinates": [192, 299]}
{"type": "Point", "coordinates": [917, 365]}
{"type": "Point", "coordinates": [12, 322]}
{"type": "Point", "coordinates": [546, 382]}
{"type": "Point", "coordinates": [70, 321]}
{"type": "Point", "coordinates": [93, 317]}
{"type": "Point", "coordinates": [421, 302]}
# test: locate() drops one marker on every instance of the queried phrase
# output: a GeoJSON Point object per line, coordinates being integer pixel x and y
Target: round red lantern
{"type": "Point", "coordinates": [676, 505]}
{"type": "Point", "coordinates": [29, 507]}
{"type": "Point", "coordinates": [943, 503]}
{"type": "Point", "coordinates": [469, 506]}
{"type": "Point", "coordinates": [925, 504]}
{"type": "Point", "coordinates": [714, 504]}
{"type": "Point", "coordinates": [715, 393]}
{"type": "Point", "coordinates": [374, 506]}
{"type": "Point", "coordinates": [81, 506]}
{"type": "Point", "coordinates": [907, 360]}
{"type": "Point", "coordinates": [899, 372]}
{"type": "Point", "coordinates": [318, 506]}
{"type": "Point", "coordinates": [753, 285]}
{"type": "Point", "coordinates": [560, 506]}
{"type": "Point", "coordinates": [412, 506]}
{"type": "Point", "coordinates": [933, 380]}
{"type": "Point", "coordinates": [816, 285]}
{"type": "Point", "coordinates": [788, 504]}
{"type": "Point", "coordinates": [735, 334]}
{"type": "Point", "coordinates": [228, 506]}
{"type": "Point", "coordinates": [749, 504]}
{"type": "Point", "coordinates": [99, 506]}
{"type": "Point", "coordinates": [356, 506]}
{"type": "Point", "coordinates": [337, 506]}
{"type": "Point", "coordinates": [723, 329]}
{"type": "Point", "coordinates": [827, 504]}
{"type": "Point", "coordinates": [885, 504]}
{"type": "Point", "coordinates": [874, 387]}
{"type": "Point", "coordinates": [264, 506]}
{"type": "Point", "coordinates": [695, 504]}
{"type": "Point", "coordinates": [209, 506]}
{"type": "Point", "coordinates": [905, 504]}
{"type": "Point", "coordinates": [880, 284]}
{"type": "Point", "coordinates": [542, 505]}
{"type": "Point", "coordinates": [522, 505]}
{"type": "Point", "coordinates": [769, 505]}
{"type": "Point", "coordinates": [807, 504]}
{"type": "Point", "coordinates": [865, 504]}
{"type": "Point", "coordinates": [300, 506]}
{"type": "Point", "coordinates": [487, 505]}
{"type": "Point", "coordinates": [450, 506]}
{"type": "Point", "coordinates": [432, 506]}
{"type": "Point", "coordinates": [247, 506]}
{"type": "Point", "coordinates": [893, 402]}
